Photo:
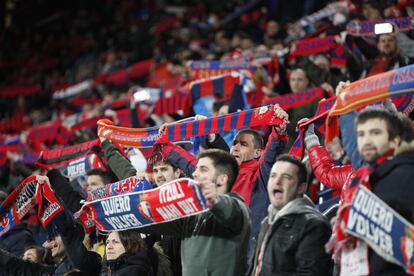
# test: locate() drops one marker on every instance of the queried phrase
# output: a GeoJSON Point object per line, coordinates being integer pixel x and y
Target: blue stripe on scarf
{"type": "Point", "coordinates": [220, 124]}
{"type": "Point", "coordinates": [248, 118]}
{"type": "Point", "coordinates": [234, 119]}
{"type": "Point", "coordinates": [218, 86]}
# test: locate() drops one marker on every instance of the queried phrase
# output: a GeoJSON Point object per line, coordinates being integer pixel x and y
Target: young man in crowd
{"type": "Point", "coordinates": [292, 237]}
{"type": "Point", "coordinates": [254, 160]}
{"type": "Point", "coordinates": [224, 228]}
{"type": "Point", "coordinates": [381, 134]}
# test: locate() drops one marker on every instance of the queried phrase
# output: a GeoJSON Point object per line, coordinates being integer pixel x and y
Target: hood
{"type": "Point", "coordinates": [405, 147]}
{"type": "Point", "coordinates": [403, 155]}
{"type": "Point", "coordinates": [298, 206]}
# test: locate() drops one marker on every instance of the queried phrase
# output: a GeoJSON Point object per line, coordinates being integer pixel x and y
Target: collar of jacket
{"type": "Point", "coordinates": [140, 258]}
{"type": "Point", "coordinates": [296, 206]}
{"type": "Point", "coordinates": [248, 164]}
{"type": "Point", "coordinates": [403, 155]}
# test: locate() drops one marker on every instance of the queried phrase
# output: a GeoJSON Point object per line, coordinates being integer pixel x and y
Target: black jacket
{"type": "Point", "coordinates": [296, 242]}
{"type": "Point", "coordinates": [124, 265]}
{"type": "Point", "coordinates": [16, 240]}
{"type": "Point", "coordinates": [392, 181]}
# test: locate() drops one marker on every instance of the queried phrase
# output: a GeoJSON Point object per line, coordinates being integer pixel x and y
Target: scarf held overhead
{"type": "Point", "coordinates": [60, 157]}
{"type": "Point", "coordinates": [244, 119]}
{"type": "Point", "coordinates": [366, 28]}
{"type": "Point", "coordinates": [293, 100]}
{"type": "Point", "coordinates": [174, 200]}
{"type": "Point", "coordinates": [358, 94]}
{"type": "Point", "coordinates": [34, 190]}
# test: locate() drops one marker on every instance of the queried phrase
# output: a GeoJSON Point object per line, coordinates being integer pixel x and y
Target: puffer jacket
{"type": "Point", "coordinates": [333, 176]}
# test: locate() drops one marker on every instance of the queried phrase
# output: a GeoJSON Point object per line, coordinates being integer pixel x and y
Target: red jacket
{"type": "Point", "coordinates": [335, 177]}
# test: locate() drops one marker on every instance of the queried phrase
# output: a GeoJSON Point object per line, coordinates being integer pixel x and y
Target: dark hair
{"type": "Point", "coordinates": [302, 172]}
{"type": "Point", "coordinates": [224, 164]}
{"type": "Point", "coordinates": [132, 241]}
{"type": "Point", "coordinates": [393, 121]}
{"type": "Point", "coordinates": [257, 138]}
{"type": "Point", "coordinates": [163, 161]}
{"type": "Point", "coordinates": [106, 177]}
{"type": "Point", "coordinates": [44, 256]}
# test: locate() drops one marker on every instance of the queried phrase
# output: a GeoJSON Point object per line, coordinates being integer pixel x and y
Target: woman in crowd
{"type": "Point", "coordinates": [127, 254]}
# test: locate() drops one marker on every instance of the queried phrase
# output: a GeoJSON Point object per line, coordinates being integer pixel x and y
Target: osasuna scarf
{"type": "Point", "coordinates": [244, 119]}
{"type": "Point", "coordinates": [328, 11]}
{"type": "Point", "coordinates": [81, 166]}
{"type": "Point", "coordinates": [358, 94]}
{"type": "Point", "coordinates": [293, 100]}
{"type": "Point", "coordinates": [172, 104]}
{"type": "Point", "coordinates": [48, 207]}
{"type": "Point", "coordinates": [18, 204]}
{"type": "Point", "coordinates": [128, 185]}
{"type": "Point", "coordinates": [34, 190]}
{"type": "Point", "coordinates": [60, 157]}
{"type": "Point", "coordinates": [206, 69]}
{"type": "Point", "coordinates": [51, 133]}
{"type": "Point", "coordinates": [174, 200]}
{"type": "Point", "coordinates": [338, 57]}
{"type": "Point", "coordinates": [310, 46]}
{"type": "Point", "coordinates": [142, 138]}
{"type": "Point", "coordinates": [339, 236]}
{"type": "Point", "coordinates": [324, 106]}
{"type": "Point", "coordinates": [72, 90]}
{"type": "Point", "coordinates": [220, 86]}
{"type": "Point", "coordinates": [366, 28]}
{"type": "Point", "coordinates": [389, 234]}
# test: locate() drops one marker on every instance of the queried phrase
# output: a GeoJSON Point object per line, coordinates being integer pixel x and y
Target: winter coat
{"type": "Point", "coordinates": [124, 265]}
{"type": "Point", "coordinates": [333, 176]}
{"type": "Point", "coordinates": [16, 240]}
{"type": "Point", "coordinates": [213, 243]}
{"type": "Point", "coordinates": [77, 257]}
{"type": "Point", "coordinates": [295, 242]}
{"type": "Point", "coordinates": [392, 182]}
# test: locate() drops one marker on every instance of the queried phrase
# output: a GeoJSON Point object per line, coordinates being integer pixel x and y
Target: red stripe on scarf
{"type": "Point", "coordinates": [59, 157]}
{"type": "Point", "coordinates": [311, 46]}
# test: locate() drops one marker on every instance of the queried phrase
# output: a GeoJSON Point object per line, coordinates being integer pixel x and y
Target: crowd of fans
{"type": "Point", "coordinates": [270, 213]}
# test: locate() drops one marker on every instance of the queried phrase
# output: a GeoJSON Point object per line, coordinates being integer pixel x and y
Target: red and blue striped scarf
{"type": "Point", "coordinates": [391, 84]}
{"type": "Point", "coordinates": [366, 28]}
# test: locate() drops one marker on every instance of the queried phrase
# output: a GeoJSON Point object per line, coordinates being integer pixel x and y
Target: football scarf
{"type": "Point", "coordinates": [376, 88]}
{"type": "Point", "coordinates": [328, 11]}
{"type": "Point", "coordinates": [366, 28]}
{"type": "Point", "coordinates": [298, 147]}
{"type": "Point", "coordinates": [206, 69]}
{"type": "Point", "coordinates": [18, 204]}
{"type": "Point", "coordinates": [244, 119]}
{"type": "Point", "coordinates": [389, 234]}
{"type": "Point", "coordinates": [34, 190]}
{"type": "Point", "coordinates": [293, 100]}
{"type": "Point", "coordinates": [174, 200]}
{"type": "Point", "coordinates": [180, 131]}
{"type": "Point", "coordinates": [81, 166]}
{"type": "Point", "coordinates": [63, 156]}
{"type": "Point", "coordinates": [310, 46]}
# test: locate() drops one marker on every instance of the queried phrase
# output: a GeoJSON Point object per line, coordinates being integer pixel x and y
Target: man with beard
{"type": "Point", "coordinates": [384, 141]}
